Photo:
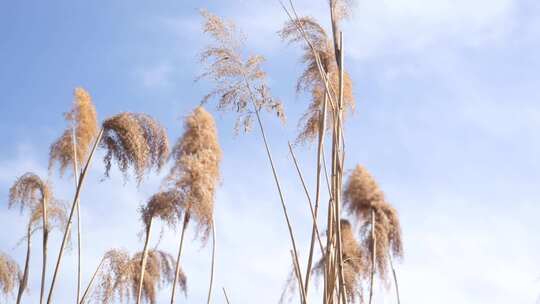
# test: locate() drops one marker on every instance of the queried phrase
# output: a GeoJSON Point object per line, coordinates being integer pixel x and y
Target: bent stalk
{"type": "Point", "coordinates": [91, 282]}
{"type": "Point", "coordinates": [45, 241]}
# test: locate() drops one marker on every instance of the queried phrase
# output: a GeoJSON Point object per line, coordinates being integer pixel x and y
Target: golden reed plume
{"type": "Point", "coordinates": [10, 274]}
{"type": "Point", "coordinates": [119, 278]}
{"type": "Point", "coordinates": [83, 123]}
{"type": "Point", "coordinates": [195, 171]}
{"type": "Point", "coordinates": [28, 191]}
{"type": "Point", "coordinates": [239, 82]}
{"type": "Point", "coordinates": [361, 196]}
{"type": "Point", "coordinates": [310, 80]}
{"type": "Point", "coordinates": [134, 140]}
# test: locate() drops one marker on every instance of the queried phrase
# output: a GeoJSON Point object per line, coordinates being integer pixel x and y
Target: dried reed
{"type": "Point", "coordinates": [195, 173]}
{"type": "Point", "coordinates": [310, 80]}
{"type": "Point", "coordinates": [10, 274]}
{"type": "Point", "coordinates": [120, 276]}
{"type": "Point", "coordinates": [25, 192]}
{"type": "Point", "coordinates": [134, 140]}
{"type": "Point", "coordinates": [82, 119]}
{"type": "Point", "coordinates": [239, 82]}
{"type": "Point", "coordinates": [364, 199]}
{"type": "Point", "coordinates": [73, 147]}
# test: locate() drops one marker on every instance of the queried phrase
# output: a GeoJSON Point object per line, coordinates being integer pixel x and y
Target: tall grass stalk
{"type": "Point", "coordinates": [177, 270]}
{"type": "Point", "coordinates": [45, 245]}
{"type": "Point", "coordinates": [24, 280]}
{"type": "Point", "coordinates": [373, 254]}
{"type": "Point", "coordinates": [76, 179]}
{"type": "Point", "coordinates": [70, 218]}
{"type": "Point", "coordinates": [143, 260]}
{"type": "Point", "coordinates": [89, 287]}
{"type": "Point", "coordinates": [213, 261]}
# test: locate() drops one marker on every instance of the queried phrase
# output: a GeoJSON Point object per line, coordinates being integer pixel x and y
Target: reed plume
{"type": "Point", "coordinates": [120, 276]}
{"type": "Point", "coordinates": [72, 148]}
{"type": "Point", "coordinates": [164, 205]}
{"type": "Point", "coordinates": [195, 173]}
{"type": "Point", "coordinates": [310, 81]}
{"type": "Point", "coordinates": [239, 82]}
{"type": "Point", "coordinates": [382, 231]}
{"type": "Point", "coordinates": [82, 120]}
{"type": "Point", "coordinates": [10, 274]}
{"type": "Point", "coordinates": [134, 140]}
{"type": "Point", "coordinates": [29, 191]}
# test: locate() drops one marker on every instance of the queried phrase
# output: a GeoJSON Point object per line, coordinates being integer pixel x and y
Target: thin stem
{"type": "Point", "coordinates": [274, 173]}
{"type": "Point", "coordinates": [177, 272]}
{"type": "Point", "coordinates": [314, 230]}
{"type": "Point", "coordinates": [24, 281]}
{"type": "Point", "coordinates": [312, 211]}
{"type": "Point", "coordinates": [91, 281]}
{"type": "Point", "coordinates": [143, 261]}
{"type": "Point", "coordinates": [76, 178]}
{"type": "Point", "coordinates": [395, 278]}
{"type": "Point", "coordinates": [213, 261]}
{"type": "Point", "coordinates": [299, 278]}
{"type": "Point", "coordinates": [45, 241]}
{"type": "Point", "coordinates": [70, 219]}
{"type": "Point", "coordinates": [373, 249]}
{"type": "Point", "coordinates": [225, 294]}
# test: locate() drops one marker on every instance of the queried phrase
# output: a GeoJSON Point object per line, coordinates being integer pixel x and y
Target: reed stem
{"type": "Point", "coordinates": [70, 219]}
{"type": "Point", "coordinates": [177, 272]}
{"type": "Point", "coordinates": [24, 281]}
{"type": "Point", "coordinates": [395, 278]}
{"type": "Point", "coordinates": [143, 261]}
{"type": "Point", "coordinates": [91, 281]}
{"type": "Point", "coordinates": [213, 261]}
{"type": "Point", "coordinates": [45, 243]}
{"type": "Point", "coordinates": [373, 249]}
{"type": "Point", "coordinates": [76, 178]}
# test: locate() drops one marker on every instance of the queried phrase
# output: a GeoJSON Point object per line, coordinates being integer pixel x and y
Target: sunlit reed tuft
{"type": "Point", "coordinates": [239, 81]}
{"type": "Point", "coordinates": [10, 274]}
{"type": "Point", "coordinates": [119, 278]}
{"type": "Point", "coordinates": [83, 123]}
{"type": "Point", "coordinates": [195, 172]}
{"type": "Point", "coordinates": [28, 191]}
{"type": "Point", "coordinates": [361, 195]}
{"type": "Point", "coordinates": [134, 140]}
{"type": "Point", "coordinates": [164, 205]}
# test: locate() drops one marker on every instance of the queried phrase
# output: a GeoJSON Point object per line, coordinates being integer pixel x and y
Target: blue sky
{"type": "Point", "coordinates": [446, 120]}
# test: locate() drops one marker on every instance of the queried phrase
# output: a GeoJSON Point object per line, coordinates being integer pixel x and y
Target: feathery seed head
{"type": "Point", "coordinates": [164, 205]}
{"type": "Point", "coordinates": [10, 274]}
{"type": "Point", "coordinates": [120, 277]}
{"type": "Point", "coordinates": [361, 193]}
{"type": "Point", "coordinates": [195, 171]}
{"type": "Point", "coordinates": [28, 191]}
{"type": "Point", "coordinates": [134, 140]}
{"type": "Point", "coordinates": [310, 80]}
{"type": "Point", "coordinates": [83, 124]}
{"type": "Point", "coordinates": [239, 82]}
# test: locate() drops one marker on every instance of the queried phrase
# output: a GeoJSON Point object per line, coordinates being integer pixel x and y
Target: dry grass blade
{"type": "Point", "coordinates": [237, 79]}
{"type": "Point", "coordinates": [82, 120]}
{"type": "Point", "coordinates": [10, 274]}
{"type": "Point", "coordinates": [134, 140]}
{"type": "Point", "coordinates": [120, 275]}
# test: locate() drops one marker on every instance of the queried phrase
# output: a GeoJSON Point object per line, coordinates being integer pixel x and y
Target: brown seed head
{"type": "Point", "coordinates": [239, 82]}
{"type": "Point", "coordinates": [56, 216]}
{"type": "Point", "coordinates": [119, 279]}
{"type": "Point", "coordinates": [134, 140]}
{"type": "Point", "coordinates": [355, 265]}
{"type": "Point", "coordinates": [10, 274]}
{"type": "Point", "coordinates": [83, 122]}
{"type": "Point", "coordinates": [361, 193]}
{"type": "Point", "coordinates": [195, 172]}
{"type": "Point", "coordinates": [164, 205]}
{"type": "Point", "coordinates": [310, 80]}
{"type": "Point", "coordinates": [28, 191]}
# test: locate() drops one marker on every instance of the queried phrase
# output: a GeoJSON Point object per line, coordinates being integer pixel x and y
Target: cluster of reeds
{"type": "Point", "coordinates": [361, 235]}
